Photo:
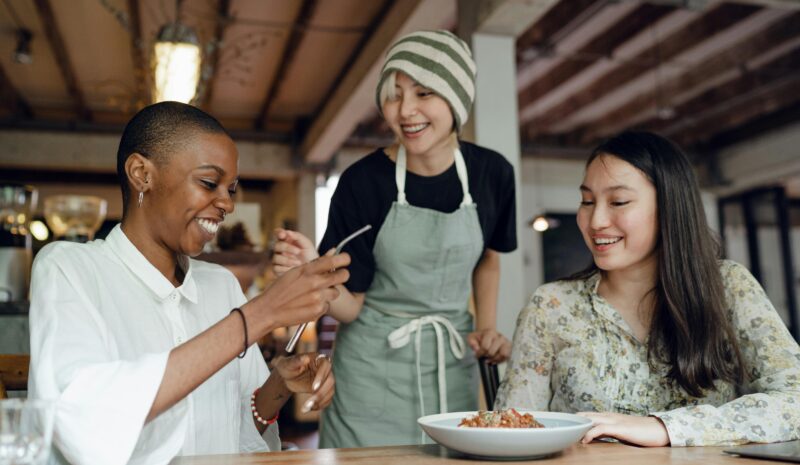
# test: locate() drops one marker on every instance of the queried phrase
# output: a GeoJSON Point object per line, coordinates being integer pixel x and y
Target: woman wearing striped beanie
{"type": "Point", "coordinates": [440, 209]}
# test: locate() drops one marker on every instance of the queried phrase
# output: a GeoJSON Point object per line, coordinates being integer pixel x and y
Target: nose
{"type": "Point", "coordinates": [600, 218]}
{"type": "Point", "coordinates": [225, 205]}
{"type": "Point", "coordinates": [408, 106]}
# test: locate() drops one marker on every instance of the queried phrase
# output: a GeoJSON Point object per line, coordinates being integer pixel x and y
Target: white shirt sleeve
{"type": "Point", "coordinates": [101, 401]}
{"type": "Point", "coordinates": [253, 373]}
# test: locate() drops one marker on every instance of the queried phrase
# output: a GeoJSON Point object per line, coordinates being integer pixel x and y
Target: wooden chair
{"type": "Point", "coordinates": [13, 373]}
{"type": "Point", "coordinates": [490, 379]}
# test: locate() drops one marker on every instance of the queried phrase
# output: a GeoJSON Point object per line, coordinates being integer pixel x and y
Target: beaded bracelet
{"type": "Point", "coordinates": [255, 411]}
{"type": "Point", "coordinates": [244, 322]}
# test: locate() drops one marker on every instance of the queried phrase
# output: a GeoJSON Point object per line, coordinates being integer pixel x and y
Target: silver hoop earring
{"type": "Point", "coordinates": [141, 198]}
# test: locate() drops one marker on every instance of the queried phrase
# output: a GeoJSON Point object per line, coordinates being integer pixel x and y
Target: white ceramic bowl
{"type": "Point", "coordinates": [561, 430]}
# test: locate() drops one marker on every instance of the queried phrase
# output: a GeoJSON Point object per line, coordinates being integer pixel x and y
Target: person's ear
{"type": "Point", "coordinates": [140, 171]}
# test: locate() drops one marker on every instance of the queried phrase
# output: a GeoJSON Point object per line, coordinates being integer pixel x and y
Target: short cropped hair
{"type": "Point", "coordinates": [157, 131]}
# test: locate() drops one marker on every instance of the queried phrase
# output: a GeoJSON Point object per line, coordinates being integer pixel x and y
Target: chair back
{"type": "Point", "coordinates": [490, 379]}
{"type": "Point", "coordinates": [13, 373]}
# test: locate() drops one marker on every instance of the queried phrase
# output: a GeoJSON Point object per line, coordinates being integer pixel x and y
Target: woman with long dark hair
{"type": "Point", "coordinates": [658, 342]}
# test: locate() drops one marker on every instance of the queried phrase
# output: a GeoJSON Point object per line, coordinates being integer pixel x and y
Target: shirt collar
{"type": "Point", "coordinates": [149, 275]}
{"type": "Point", "coordinates": [602, 307]}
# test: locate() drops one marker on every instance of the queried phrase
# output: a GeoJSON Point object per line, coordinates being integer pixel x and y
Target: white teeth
{"type": "Point", "coordinates": [415, 128]}
{"type": "Point", "coordinates": [606, 240]}
{"type": "Point", "coordinates": [210, 226]}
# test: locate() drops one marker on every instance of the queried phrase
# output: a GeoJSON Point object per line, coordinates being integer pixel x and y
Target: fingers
{"type": "Point", "coordinates": [325, 394]}
{"type": "Point", "coordinates": [487, 342]}
{"type": "Point", "coordinates": [328, 263]}
{"type": "Point", "coordinates": [323, 385]}
{"type": "Point", "coordinates": [640, 430]}
{"type": "Point", "coordinates": [285, 261]}
{"type": "Point", "coordinates": [295, 246]}
{"type": "Point", "coordinates": [597, 432]}
{"type": "Point", "coordinates": [323, 370]}
{"type": "Point", "coordinates": [294, 237]}
{"type": "Point", "coordinates": [473, 339]}
{"type": "Point", "coordinates": [501, 349]}
{"type": "Point", "coordinates": [602, 426]}
{"type": "Point", "coordinates": [495, 348]}
{"type": "Point", "coordinates": [292, 366]}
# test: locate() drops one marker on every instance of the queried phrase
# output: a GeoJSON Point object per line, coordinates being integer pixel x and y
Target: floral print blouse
{"type": "Point", "coordinates": [573, 352]}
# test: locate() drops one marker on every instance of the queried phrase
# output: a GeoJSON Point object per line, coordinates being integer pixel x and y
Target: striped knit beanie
{"type": "Point", "coordinates": [439, 61]}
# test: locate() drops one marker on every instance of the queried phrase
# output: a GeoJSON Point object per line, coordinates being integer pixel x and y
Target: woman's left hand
{"type": "Point", "coordinates": [490, 344]}
{"type": "Point", "coordinates": [308, 373]}
{"type": "Point", "coordinates": [642, 431]}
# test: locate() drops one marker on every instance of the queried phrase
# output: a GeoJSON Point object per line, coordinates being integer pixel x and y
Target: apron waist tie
{"type": "Point", "coordinates": [401, 336]}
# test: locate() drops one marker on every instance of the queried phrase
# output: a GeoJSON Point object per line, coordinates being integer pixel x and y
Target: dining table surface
{"type": "Point", "coordinates": [596, 453]}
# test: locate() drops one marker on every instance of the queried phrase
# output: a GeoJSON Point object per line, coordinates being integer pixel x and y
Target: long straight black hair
{"type": "Point", "coordinates": [690, 330]}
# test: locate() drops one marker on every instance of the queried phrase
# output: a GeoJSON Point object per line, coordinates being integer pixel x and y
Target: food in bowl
{"type": "Point", "coordinates": [508, 418]}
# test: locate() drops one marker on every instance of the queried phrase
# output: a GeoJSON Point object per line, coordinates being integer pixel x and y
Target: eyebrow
{"type": "Point", "coordinates": [619, 187]}
{"type": "Point", "coordinates": [218, 169]}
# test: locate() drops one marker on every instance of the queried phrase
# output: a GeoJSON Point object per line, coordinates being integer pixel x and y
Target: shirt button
{"type": "Point", "coordinates": [178, 340]}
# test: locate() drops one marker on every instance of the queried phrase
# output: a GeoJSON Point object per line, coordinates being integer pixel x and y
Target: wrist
{"type": "Point", "coordinates": [275, 381]}
{"type": "Point", "coordinates": [256, 415]}
{"type": "Point", "coordinates": [259, 318]}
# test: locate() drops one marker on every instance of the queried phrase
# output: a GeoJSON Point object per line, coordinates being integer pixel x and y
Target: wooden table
{"type": "Point", "coordinates": [592, 454]}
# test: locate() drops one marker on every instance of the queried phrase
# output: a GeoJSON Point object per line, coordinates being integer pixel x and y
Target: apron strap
{"type": "Point", "coordinates": [400, 176]}
{"type": "Point", "coordinates": [401, 336]}
{"type": "Point", "coordinates": [461, 169]}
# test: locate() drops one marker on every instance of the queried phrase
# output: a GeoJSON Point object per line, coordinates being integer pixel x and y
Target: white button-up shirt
{"type": "Point", "coordinates": [103, 322]}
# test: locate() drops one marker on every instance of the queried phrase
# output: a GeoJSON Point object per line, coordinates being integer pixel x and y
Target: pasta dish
{"type": "Point", "coordinates": [508, 418]}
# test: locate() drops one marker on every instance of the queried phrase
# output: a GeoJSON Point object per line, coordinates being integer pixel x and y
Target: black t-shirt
{"type": "Point", "coordinates": [367, 189]}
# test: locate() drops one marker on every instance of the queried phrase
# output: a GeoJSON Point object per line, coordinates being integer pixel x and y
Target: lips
{"type": "Point", "coordinates": [411, 130]}
{"type": "Point", "coordinates": [602, 243]}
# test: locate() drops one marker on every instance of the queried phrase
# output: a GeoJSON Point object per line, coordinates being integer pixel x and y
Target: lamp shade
{"type": "Point", "coordinates": [177, 59]}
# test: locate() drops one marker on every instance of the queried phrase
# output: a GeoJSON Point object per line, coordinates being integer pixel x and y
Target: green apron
{"type": "Point", "coordinates": [404, 356]}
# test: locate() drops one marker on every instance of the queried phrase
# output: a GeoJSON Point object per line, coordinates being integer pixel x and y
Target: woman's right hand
{"type": "Point", "coordinates": [300, 295]}
{"type": "Point", "coordinates": [291, 250]}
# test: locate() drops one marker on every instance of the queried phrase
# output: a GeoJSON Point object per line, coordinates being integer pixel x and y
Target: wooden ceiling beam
{"type": "Point", "coordinates": [753, 128]}
{"type": "Point", "coordinates": [715, 100]}
{"type": "Point", "coordinates": [510, 18]}
{"type": "Point", "coordinates": [56, 43]}
{"type": "Point", "coordinates": [710, 23]}
{"type": "Point", "coordinates": [732, 58]}
{"type": "Point", "coordinates": [11, 99]}
{"type": "Point", "coordinates": [141, 69]}
{"type": "Point", "coordinates": [733, 112]}
{"type": "Point", "coordinates": [547, 31]}
{"type": "Point", "coordinates": [223, 7]}
{"type": "Point", "coordinates": [605, 44]}
{"type": "Point", "coordinates": [287, 58]}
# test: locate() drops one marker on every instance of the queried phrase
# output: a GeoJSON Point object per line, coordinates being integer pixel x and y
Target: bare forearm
{"type": "Point", "coordinates": [347, 306]}
{"type": "Point", "coordinates": [193, 362]}
{"type": "Point", "coordinates": [485, 285]}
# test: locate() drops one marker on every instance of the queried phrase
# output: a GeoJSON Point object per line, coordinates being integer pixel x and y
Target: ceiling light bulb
{"type": "Point", "coordinates": [541, 224]}
{"type": "Point", "coordinates": [39, 230]}
{"type": "Point", "coordinates": [177, 64]}
{"type": "Point", "coordinates": [22, 52]}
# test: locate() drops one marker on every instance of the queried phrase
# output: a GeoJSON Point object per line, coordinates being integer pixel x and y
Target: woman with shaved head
{"type": "Point", "coordinates": [147, 353]}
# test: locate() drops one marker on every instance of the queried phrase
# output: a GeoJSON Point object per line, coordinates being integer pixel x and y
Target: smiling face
{"type": "Point", "coordinates": [192, 192]}
{"type": "Point", "coordinates": [618, 215]}
{"type": "Point", "coordinates": [420, 119]}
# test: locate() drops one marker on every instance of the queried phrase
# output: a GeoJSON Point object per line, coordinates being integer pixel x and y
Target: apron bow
{"type": "Point", "coordinates": [401, 336]}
